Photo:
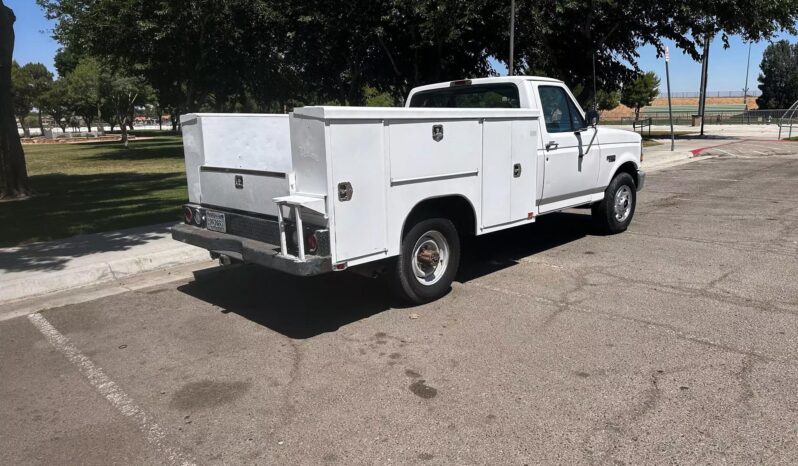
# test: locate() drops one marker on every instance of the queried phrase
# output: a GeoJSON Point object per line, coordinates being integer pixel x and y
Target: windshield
{"type": "Point", "coordinates": [474, 96]}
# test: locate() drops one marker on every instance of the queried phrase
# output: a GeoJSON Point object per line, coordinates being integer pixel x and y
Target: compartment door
{"type": "Point", "coordinates": [509, 148]}
{"type": "Point", "coordinates": [358, 161]}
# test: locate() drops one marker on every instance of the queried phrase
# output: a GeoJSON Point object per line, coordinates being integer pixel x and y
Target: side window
{"type": "Point", "coordinates": [559, 111]}
{"type": "Point", "coordinates": [556, 113]}
{"type": "Point", "coordinates": [577, 121]}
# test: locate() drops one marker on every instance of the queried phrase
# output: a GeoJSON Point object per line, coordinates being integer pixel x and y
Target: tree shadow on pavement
{"type": "Point", "coordinates": [69, 205]}
{"type": "Point", "coordinates": [55, 255]}
{"type": "Point", "coordinates": [302, 308]}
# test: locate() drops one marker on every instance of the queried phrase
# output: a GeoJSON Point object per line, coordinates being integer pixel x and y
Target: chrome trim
{"type": "Point", "coordinates": [549, 200]}
{"type": "Point", "coordinates": [241, 171]}
{"type": "Point", "coordinates": [422, 179]}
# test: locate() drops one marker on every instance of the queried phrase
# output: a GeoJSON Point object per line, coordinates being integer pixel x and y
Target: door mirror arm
{"type": "Point", "coordinates": [595, 132]}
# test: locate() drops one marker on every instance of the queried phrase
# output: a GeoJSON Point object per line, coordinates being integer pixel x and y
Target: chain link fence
{"type": "Point", "coordinates": [719, 117]}
{"type": "Point", "coordinates": [695, 95]}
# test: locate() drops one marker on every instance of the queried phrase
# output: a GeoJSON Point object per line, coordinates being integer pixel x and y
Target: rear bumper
{"type": "Point", "coordinates": [252, 251]}
{"type": "Point", "coordinates": [641, 180]}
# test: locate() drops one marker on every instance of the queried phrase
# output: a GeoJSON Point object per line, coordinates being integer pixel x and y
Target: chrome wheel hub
{"type": "Point", "coordinates": [430, 257]}
{"type": "Point", "coordinates": [623, 203]}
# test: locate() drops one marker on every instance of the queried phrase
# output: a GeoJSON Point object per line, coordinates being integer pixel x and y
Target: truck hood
{"type": "Point", "coordinates": [613, 136]}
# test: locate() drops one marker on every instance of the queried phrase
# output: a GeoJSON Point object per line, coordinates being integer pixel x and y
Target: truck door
{"type": "Point", "coordinates": [571, 162]}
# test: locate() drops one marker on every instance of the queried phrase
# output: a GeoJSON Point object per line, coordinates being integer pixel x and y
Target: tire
{"type": "Point", "coordinates": [421, 279]}
{"type": "Point", "coordinates": [614, 213]}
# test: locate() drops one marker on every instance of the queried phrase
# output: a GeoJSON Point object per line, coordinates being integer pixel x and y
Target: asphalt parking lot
{"type": "Point", "coordinates": [675, 342]}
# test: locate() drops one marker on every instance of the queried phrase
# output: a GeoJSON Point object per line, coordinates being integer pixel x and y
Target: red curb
{"type": "Point", "coordinates": [697, 152]}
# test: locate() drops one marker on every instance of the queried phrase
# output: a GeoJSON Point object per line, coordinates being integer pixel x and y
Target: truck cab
{"type": "Point", "coordinates": [327, 189]}
{"type": "Point", "coordinates": [576, 158]}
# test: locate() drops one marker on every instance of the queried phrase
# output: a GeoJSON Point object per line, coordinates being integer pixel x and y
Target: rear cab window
{"type": "Point", "coordinates": [469, 96]}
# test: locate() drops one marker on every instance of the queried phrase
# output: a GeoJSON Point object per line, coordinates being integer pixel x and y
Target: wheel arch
{"type": "Point", "coordinates": [629, 167]}
{"type": "Point", "coordinates": [455, 207]}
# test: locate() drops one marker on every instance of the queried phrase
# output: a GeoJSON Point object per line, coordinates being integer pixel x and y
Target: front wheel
{"type": "Point", "coordinates": [614, 213]}
{"type": "Point", "coordinates": [428, 261]}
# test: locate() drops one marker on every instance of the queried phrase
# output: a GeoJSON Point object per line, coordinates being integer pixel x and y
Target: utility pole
{"type": "Point", "coordinates": [747, 67]}
{"type": "Point", "coordinates": [595, 95]}
{"type": "Point", "coordinates": [704, 78]}
{"type": "Point", "coordinates": [511, 70]}
{"type": "Point", "coordinates": [670, 107]}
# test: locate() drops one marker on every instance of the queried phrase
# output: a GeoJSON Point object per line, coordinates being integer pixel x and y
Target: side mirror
{"type": "Point", "coordinates": [592, 117]}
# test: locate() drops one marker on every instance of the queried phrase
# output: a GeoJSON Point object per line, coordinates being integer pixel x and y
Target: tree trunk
{"type": "Point", "coordinates": [14, 183]}
{"type": "Point", "coordinates": [25, 127]}
{"type": "Point", "coordinates": [123, 124]}
{"type": "Point", "coordinates": [41, 125]}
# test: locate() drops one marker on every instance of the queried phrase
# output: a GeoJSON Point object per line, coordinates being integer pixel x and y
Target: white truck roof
{"type": "Point", "coordinates": [492, 80]}
{"type": "Point", "coordinates": [402, 113]}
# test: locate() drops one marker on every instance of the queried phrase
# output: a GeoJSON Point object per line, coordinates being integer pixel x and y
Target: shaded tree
{"type": "Point", "coordinates": [276, 53]}
{"type": "Point", "coordinates": [559, 38]}
{"type": "Point", "coordinates": [640, 92]}
{"type": "Point", "coordinates": [21, 95]}
{"type": "Point", "coordinates": [606, 100]}
{"type": "Point", "coordinates": [30, 82]}
{"type": "Point", "coordinates": [120, 94]}
{"type": "Point", "coordinates": [83, 90]}
{"type": "Point", "coordinates": [14, 183]}
{"type": "Point", "coordinates": [55, 102]}
{"type": "Point", "coordinates": [65, 60]}
{"type": "Point", "coordinates": [778, 80]}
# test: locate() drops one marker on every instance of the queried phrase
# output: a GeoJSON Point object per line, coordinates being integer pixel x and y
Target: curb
{"type": "Point", "coordinates": [50, 282]}
{"type": "Point", "coordinates": [671, 159]}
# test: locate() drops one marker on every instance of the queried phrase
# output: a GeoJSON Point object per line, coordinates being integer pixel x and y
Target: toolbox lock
{"type": "Point", "coordinates": [344, 191]}
{"type": "Point", "coordinates": [517, 170]}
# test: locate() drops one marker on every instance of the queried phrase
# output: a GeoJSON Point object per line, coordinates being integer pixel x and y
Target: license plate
{"type": "Point", "coordinates": [215, 221]}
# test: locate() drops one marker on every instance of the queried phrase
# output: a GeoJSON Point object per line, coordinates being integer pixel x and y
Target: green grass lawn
{"type": "Point", "coordinates": [94, 187]}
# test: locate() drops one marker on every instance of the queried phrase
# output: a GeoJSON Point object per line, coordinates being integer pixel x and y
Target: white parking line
{"type": "Point", "coordinates": [111, 391]}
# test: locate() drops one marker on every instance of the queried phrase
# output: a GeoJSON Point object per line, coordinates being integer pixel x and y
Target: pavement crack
{"type": "Point", "coordinates": [675, 331]}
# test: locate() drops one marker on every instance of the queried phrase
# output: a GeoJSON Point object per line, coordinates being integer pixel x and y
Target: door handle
{"type": "Point", "coordinates": [552, 145]}
{"type": "Point", "coordinates": [517, 170]}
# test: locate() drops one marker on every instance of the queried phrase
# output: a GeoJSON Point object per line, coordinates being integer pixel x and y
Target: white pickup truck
{"type": "Point", "coordinates": [395, 189]}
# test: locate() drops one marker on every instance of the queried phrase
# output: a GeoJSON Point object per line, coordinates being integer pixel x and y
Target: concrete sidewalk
{"type": "Point", "coordinates": [42, 268]}
{"type": "Point", "coordinates": [763, 131]}
{"type": "Point", "coordinates": [685, 150]}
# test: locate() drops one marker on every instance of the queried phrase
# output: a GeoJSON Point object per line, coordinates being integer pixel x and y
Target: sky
{"type": "Point", "coordinates": [726, 66]}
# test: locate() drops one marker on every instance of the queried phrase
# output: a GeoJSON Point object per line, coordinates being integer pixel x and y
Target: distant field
{"type": "Point", "coordinates": [687, 104]}
{"type": "Point", "coordinates": [94, 187]}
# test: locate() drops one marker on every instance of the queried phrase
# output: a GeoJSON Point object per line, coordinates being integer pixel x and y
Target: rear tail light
{"type": "Point", "coordinates": [197, 217]}
{"type": "Point", "coordinates": [313, 243]}
{"type": "Point", "coordinates": [188, 215]}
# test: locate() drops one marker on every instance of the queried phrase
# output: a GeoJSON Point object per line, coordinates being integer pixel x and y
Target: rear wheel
{"type": "Point", "coordinates": [614, 213]}
{"type": "Point", "coordinates": [428, 261]}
